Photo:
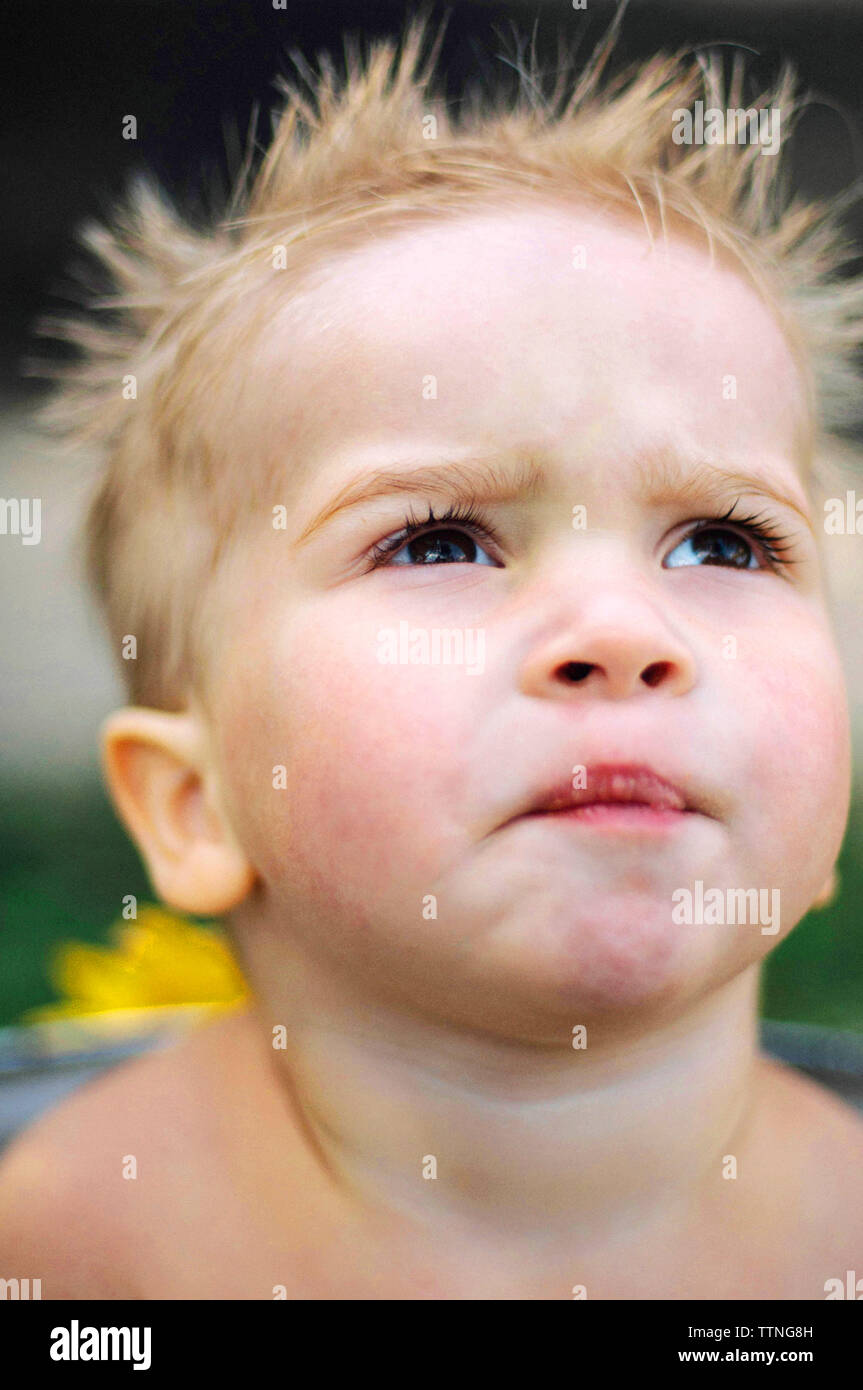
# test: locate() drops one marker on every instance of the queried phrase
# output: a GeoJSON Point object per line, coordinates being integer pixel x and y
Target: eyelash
{"type": "Point", "coordinates": [469, 517]}
{"type": "Point", "coordinates": [472, 520]}
{"type": "Point", "coordinates": [772, 542]}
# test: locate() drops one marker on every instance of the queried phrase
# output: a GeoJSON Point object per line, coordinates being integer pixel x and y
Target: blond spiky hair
{"type": "Point", "coordinates": [348, 160]}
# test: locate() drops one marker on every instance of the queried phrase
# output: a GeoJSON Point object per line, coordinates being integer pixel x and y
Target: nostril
{"type": "Point", "coordinates": [652, 675]}
{"type": "Point", "coordinates": [576, 670]}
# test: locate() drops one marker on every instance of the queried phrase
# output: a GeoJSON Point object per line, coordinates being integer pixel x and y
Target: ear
{"type": "Point", "coordinates": [164, 788]}
{"type": "Point", "coordinates": [829, 892]}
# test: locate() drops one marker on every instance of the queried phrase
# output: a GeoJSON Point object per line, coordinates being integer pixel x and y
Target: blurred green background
{"type": "Point", "coordinates": [67, 865]}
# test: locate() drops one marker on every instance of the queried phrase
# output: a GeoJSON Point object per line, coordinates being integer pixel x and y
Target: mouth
{"type": "Point", "coordinates": [618, 796]}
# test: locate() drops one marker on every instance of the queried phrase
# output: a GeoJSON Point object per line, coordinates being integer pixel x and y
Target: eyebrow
{"type": "Point", "coordinates": [662, 473]}
{"type": "Point", "coordinates": [665, 477]}
{"type": "Point", "coordinates": [478, 479]}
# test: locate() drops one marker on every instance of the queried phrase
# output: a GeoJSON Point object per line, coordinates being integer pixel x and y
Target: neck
{"type": "Point", "coordinates": [526, 1143]}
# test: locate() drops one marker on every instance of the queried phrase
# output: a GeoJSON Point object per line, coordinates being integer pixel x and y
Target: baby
{"type": "Point", "coordinates": [501, 848]}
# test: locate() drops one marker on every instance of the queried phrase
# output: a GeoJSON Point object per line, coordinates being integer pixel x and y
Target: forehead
{"type": "Point", "coordinates": [555, 326]}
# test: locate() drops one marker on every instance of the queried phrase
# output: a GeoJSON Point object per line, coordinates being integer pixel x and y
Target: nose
{"type": "Point", "coordinates": [618, 646]}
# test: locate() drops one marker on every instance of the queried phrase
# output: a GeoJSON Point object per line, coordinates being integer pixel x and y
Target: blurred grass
{"type": "Point", "coordinates": [66, 864]}
{"type": "Point", "coordinates": [816, 974]}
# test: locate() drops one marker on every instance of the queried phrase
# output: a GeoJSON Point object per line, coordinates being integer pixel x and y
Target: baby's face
{"type": "Point", "coordinates": [597, 629]}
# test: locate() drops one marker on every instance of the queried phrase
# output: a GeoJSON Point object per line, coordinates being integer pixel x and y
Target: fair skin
{"type": "Point", "coordinates": [412, 1035]}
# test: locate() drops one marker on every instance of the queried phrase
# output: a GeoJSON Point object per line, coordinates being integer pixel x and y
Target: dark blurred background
{"type": "Point", "coordinates": [193, 74]}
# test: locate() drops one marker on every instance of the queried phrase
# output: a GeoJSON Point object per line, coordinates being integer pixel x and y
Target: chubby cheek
{"type": "Point", "coordinates": [371, 754]}
{"type": "Point", "coordinates": [796, 788]}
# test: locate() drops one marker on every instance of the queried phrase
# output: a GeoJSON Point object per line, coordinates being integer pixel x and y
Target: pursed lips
{"type": "Point", "coordinates": [609, 784]}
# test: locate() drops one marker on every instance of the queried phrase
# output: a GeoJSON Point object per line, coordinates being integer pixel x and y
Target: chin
{"type": "Point", "coordinates": [612, 961]}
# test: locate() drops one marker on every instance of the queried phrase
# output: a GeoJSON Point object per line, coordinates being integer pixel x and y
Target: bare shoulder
{"type": "Point", "coordinates": [817, 1139]}
{"type": "Point", "coordinates": [800, 1101]}
{"type": "Point", "coordinates": [90, 1192]}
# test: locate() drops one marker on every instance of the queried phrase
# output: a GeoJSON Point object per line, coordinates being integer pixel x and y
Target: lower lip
{"type": "Point", "coordinates": [619, 816]}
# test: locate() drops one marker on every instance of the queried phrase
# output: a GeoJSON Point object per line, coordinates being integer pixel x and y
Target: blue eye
{"type": "Point", "coordinates": [443, 547]}
{"type": "Point", "coordinates": [451, 539]}
{"type": "Point", "coordinates": [458, 537]}
{"type": "Point", "coordinates": [714, 543]}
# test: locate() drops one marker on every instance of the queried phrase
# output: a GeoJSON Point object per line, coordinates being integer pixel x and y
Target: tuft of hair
{"type": "Point", "coordinates": [352, 154]}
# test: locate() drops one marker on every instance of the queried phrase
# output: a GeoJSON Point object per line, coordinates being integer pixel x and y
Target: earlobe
{"type": "Point", "coordinates": [165, 789]}
{"type": "Point", "coordinates": [830, 890]}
